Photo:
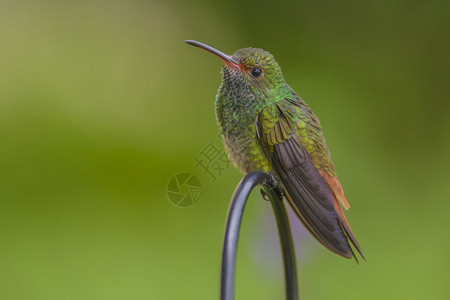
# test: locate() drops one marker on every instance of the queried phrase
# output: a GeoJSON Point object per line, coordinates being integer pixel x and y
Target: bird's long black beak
{"type": "Point", "coordinates": [228, 59]}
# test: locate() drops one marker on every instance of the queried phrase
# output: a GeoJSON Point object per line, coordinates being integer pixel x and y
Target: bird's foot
{"type": "Point", "coordinates": [273, 185]}
{"type": "Point", "coordinates": [274, 182]}
{"type": "Point", "coordinates": [264, 195]}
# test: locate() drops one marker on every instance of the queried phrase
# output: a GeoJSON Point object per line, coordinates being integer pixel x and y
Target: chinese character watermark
{"type": "Point", "coordinates": [184, 189]}
{"type": "Point", "coordinates": [212, 160]}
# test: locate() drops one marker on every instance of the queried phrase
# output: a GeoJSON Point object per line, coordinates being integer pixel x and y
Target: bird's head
{"type": "Point", "coordinates": [250, 67]}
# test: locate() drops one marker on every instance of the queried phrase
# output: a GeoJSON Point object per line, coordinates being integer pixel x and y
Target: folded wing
{"type": "Point", "coordinates": [307, 191]}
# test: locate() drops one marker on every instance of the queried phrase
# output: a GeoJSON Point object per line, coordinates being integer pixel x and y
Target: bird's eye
{"type": "Point", "coordinates": [256, 72]}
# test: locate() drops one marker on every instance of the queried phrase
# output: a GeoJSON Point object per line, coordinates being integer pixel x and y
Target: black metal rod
{"type": "Point", "coordinates": [286, 242]}
{"type": "Point", "coordinates": [236, 210]}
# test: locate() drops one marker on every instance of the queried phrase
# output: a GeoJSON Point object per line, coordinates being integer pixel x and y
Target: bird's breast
{"type": "Point", "coordinates": [244, 149]}
{"type": "Point", "coordinates": [236, 113]}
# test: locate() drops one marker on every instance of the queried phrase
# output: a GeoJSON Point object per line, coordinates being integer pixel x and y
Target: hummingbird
{"type": "Point", "coordinates": [265, 126]}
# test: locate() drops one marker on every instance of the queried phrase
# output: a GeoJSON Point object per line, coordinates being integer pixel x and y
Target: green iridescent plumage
{"type": "Point", "coordinates": [242, 97]}
{"type": "Point", "coordinates": [266, 126]}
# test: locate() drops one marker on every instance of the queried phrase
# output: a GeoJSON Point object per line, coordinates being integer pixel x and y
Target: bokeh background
{"type": "Point", "coordinates": [102, 104]}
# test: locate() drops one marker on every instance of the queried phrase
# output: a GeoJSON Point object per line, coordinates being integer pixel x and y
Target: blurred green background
{"type": "Point", "coordinates": [102, 103]}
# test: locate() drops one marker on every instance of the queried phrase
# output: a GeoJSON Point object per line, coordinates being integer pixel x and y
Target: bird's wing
{"type": "Point", "coordinates": [310, 134]}
{"type": "Point", "coordinates": [306, 190]}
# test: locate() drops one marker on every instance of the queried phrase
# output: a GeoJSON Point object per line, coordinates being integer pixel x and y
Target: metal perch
{"type": "Point", "coordinates": [236, 210]}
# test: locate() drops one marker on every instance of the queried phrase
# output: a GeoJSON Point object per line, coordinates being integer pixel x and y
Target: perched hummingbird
{"type": "Point", "coordinates": [266, 126]}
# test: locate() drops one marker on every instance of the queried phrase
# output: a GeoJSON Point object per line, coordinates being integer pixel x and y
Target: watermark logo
{"type": "Point", "coordinates": [184, 190]}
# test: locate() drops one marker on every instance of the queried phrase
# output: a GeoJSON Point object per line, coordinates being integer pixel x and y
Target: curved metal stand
{"type": "Point", "coordinates": [236, 210]}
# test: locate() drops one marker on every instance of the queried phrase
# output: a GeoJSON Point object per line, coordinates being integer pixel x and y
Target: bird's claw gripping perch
{"type": "Point", "coordinates": [274, 182]}
{"type": "Point", "coordinates": [273, 186]}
